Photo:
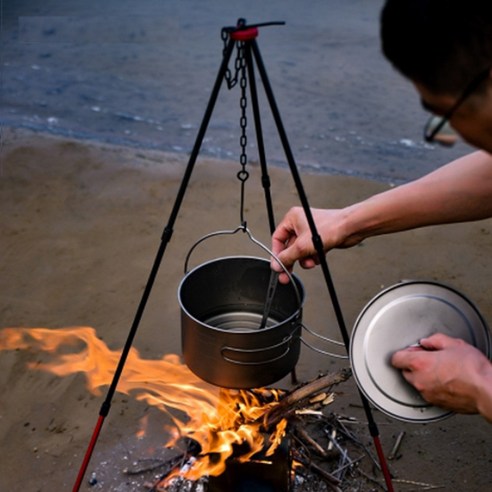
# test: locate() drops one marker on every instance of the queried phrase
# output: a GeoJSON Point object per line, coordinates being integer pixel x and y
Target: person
{"type": "Point", "coordinates": [444, 47]}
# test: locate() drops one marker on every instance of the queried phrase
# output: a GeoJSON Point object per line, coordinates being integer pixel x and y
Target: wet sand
{"type": "Point", "coordinates": [81, 224]}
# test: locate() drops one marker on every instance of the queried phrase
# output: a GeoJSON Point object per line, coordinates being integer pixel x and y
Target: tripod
{"type": "Point", "coordinates": [244, 37]}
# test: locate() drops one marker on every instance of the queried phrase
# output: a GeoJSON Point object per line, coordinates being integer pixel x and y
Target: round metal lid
{"type": "Point", "coordinates": [398, 317]}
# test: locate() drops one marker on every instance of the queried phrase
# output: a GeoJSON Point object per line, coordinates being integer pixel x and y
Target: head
{"type": "Point", "coordinates": [442, 46]}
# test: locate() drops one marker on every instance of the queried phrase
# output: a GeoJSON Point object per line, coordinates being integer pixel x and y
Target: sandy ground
{"type": "Point", "coordinates": [80, 227]}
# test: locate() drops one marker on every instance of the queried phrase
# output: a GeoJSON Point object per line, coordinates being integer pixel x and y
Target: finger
{"type": "Point", "coordinates": [278, 246]}
{"type": "Point", "coordinates": [282, 262]}
{"type": "Point", "coordinates": [280, 239]}
{"type": "Point", "coordinates": [284, 231]}
{"type": "Point", "coordinates": [279, 266]}
{"type": "Point", "coordinates": [438, 341]}
{"type": "Point", "coordinates": [308, 263]}
{"type": "Point", "coordinates": [408, 375]}
{"type": "Point", "coordinates": [403, 359]}
{"type": "Point", "coordinates": [283, 278]}
{"type": "Point", "coordinates": [399, 359]}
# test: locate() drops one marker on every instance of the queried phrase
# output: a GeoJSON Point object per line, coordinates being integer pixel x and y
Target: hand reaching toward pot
{"type": "Point", "coordinates": [293, 241]}
{"type": "Point", "coordinates": [457, 192]}
{"type": "Point", "coordinates": [449, 373]}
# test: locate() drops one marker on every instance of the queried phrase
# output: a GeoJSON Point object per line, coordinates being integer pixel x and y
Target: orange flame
{"type": "Point", "coordinates": [218, 419]}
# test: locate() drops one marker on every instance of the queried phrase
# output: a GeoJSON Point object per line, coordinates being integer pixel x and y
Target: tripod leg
{"type": "Point", "coordinates": [302, 195]}
{"type": "Point", "coordinates": [166, 236]}
{"type": "Point", "coordinates": [265, 178]}
{"type": "Point", "coordinates": [373, 429]}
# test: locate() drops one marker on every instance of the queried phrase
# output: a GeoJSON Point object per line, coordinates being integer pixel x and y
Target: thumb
{"type": "Point", "coordinates": [287, 257]}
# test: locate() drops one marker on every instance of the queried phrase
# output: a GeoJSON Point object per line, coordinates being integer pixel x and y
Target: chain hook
{"type": "Point", "coordinates": [243, 174]}
{"type": "Point", "coordinates": [241, 34]}
{"type": "Point", "coordinates": [232, 80]}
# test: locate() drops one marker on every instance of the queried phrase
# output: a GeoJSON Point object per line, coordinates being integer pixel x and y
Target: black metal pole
{"type": "Point", "coordinates": [318, 245]}
{"type": "Point", "coordinates": [300, 190]}
{"type": "Point", "coordinates": [165, 238]}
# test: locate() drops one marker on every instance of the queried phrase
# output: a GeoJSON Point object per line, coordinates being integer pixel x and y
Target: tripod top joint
{"type": "Point", "coordinates": [244, 32]}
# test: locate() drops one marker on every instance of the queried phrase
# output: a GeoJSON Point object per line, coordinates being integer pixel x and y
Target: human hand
{"type": "Point", "coordinates": [448, 373]}
{"type": "Point", "coordinates": [292, 240]}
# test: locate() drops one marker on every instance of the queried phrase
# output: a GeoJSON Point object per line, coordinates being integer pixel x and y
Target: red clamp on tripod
{"type": "Point", "coordinates": [244, 32]}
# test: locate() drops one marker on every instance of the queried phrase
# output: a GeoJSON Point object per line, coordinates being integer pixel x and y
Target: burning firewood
{"type": "Point", "coordinates": [216, 428]}
{"type": "Point", "coordinates": [289, 412]}
{"type": "Point", "coordinates": [299, 397]}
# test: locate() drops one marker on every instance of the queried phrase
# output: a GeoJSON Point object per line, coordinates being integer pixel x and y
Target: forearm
{"type": "Point", "coordinates": [460, 191]}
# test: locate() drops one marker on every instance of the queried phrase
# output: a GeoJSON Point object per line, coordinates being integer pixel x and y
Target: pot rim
{"type": "Point", "coordinates": [298, 288]}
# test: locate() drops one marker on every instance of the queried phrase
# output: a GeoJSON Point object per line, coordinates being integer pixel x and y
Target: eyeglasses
{"type": "Point", "coordinates": [437, 129]}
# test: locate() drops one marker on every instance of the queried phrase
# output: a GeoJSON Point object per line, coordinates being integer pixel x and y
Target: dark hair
{"type": "Point", "coordinates": [442, 44]}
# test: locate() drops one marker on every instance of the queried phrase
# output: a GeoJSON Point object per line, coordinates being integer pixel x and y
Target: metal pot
{"type": "Point", "coordinates": [222, 303]}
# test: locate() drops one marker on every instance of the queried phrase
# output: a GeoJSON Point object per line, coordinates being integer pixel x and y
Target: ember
{"type": "Point", "coordinates": [217, 430]}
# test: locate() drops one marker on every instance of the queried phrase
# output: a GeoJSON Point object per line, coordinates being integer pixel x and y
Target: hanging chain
{"type": "Point", "coordinates": [243, 174]}
{"type": "Point", "coordinates": [232, 80]}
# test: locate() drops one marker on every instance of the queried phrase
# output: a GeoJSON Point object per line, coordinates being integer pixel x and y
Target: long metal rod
{"type": "Point", "coordinates": [318, 244]}
{"type": "Point", "coordinates": [165, 238]}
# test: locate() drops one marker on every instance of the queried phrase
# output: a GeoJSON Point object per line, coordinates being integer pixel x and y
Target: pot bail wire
{"type": "Point", "coordinates": [248, 233]}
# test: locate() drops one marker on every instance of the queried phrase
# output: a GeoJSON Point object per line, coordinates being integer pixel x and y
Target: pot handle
{"type": "Point", "coordinates": [325, 339]}
{"type": "Point", "coordinates": [254, 240]}
{"type": "Point", "coordinates": [208, 236]}
{"type": "Point", "coordinates": [286, 340]}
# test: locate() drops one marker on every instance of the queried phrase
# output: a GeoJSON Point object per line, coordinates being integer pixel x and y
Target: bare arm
{"type": "Point", "coordinates": [460, 191]}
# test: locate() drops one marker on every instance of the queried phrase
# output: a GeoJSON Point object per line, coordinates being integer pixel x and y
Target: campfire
{"type": "Point", "coordinates": [218, 434]}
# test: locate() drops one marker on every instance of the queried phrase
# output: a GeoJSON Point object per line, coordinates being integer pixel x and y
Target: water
{"type": "Point", "coordinates": [141, 73]}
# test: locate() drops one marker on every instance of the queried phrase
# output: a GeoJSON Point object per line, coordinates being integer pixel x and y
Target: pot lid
{"type": "Point", "coordinates": [398, 317]}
